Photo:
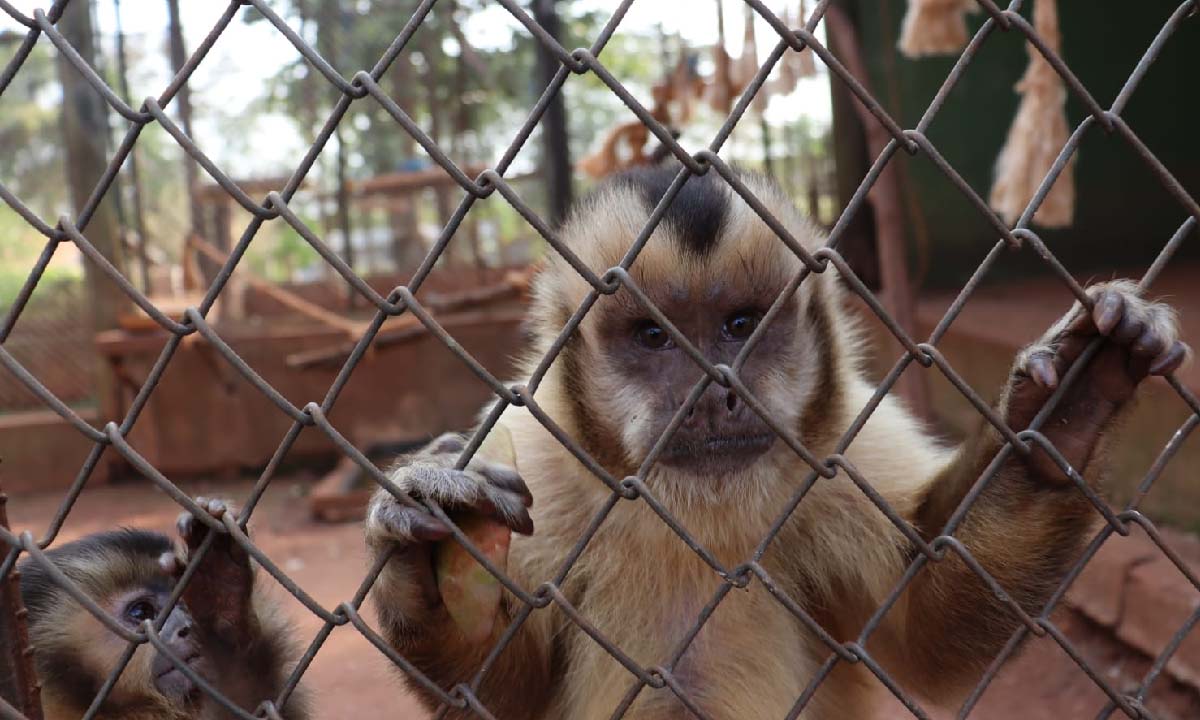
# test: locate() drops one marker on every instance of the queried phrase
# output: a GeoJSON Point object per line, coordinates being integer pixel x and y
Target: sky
{"type": "Point", "coordinates": [232, 77]}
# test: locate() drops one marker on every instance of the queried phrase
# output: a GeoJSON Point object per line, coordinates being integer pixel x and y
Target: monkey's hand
{"type": "Point", "coordinates": [1141, 339]}
{"type": "Point", "coordinates": [219, 594]}
{"type": "Point", "coordinates": [486, 490]}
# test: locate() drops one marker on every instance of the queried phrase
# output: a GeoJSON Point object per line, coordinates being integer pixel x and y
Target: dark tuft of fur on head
{"type": "Point", "coordinates": [696, 213]}
{"type": "Point", "coordinates": [39, 591]}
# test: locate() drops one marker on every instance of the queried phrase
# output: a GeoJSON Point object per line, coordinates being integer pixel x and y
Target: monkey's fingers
{"type": "Point", "coordinates": [191, 529]}
{"type": "Point", "coordinates": [1145, 328]}
{"type": "Point", "coordinates": [171, 564]}
{"type": "Point", "coordinates": [1108, 314]}
{"type": "Point", "coordinates": [1107, 311]}
{"type": "Point", "coordinates": [405, 525]}
{"type": "Point", "coordinates": [510, 507]}
{"type": "Point", "coordinates": [495, 472]}
{"type": "Point", "coordinates": [446, 444]}
{"type": "Point", "coordinates": [1040, 368]}
{"type": "Point", "coordinates": [506, 479]}
{"type": "Point", "coordinates": [493, 491]}
{"type": "Point", "coordinates": [1146, 331]}
{"type": "Point", "coordinates": [1171, 359]}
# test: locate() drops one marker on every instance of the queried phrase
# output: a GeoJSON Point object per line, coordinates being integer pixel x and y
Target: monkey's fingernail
{"type": "Point", "coordinates": [1129, 329]}
{"type": "Point", "coordinates": [523, 524]}
{"type": "Point", "coordinates": [428, 528]}
{"type": "Point", "coordinates": [1169, 361]}
{"type": "Point", "coordinates": [448, 444]}
{"type": "Point", "coordinates": [1107, 312]}
{"type": "Point", "coordinates": [511, 481]}
{"type": "Point", "coordinates": [1148, 344]}
{"type": "Point", "coordinates": [1041, 370]}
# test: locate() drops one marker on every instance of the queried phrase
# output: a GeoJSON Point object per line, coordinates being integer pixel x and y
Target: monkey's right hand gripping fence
{"type": "Point", "coordinates": [363, 86]}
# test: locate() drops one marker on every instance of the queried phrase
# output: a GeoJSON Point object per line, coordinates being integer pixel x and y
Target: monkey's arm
{"type": "Point", "coordinates": [1029, 523]}
{"type": "Point", "coordinates": [412, 615]}
{"type": "Point", "coordinates": [243, 633]}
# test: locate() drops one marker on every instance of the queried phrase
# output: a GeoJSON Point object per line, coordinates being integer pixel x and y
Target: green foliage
{"type": "Point", "coordinates": [54, 283]}
{"type": "Point", "coordinates": [31, 161]}
{"type": "Point", "coordinates": [280, 252]}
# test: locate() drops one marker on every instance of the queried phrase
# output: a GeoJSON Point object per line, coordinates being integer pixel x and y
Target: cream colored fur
{"type": "Point", "coordinates": [637, 581]}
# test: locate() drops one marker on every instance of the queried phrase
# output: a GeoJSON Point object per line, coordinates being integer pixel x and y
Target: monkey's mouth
{"type": "Point", "coordinates": [192, 660]}
{"type": "Point", "coordinates": [715, 453]}
{"type": "Point", "coordinates": [173, 682]}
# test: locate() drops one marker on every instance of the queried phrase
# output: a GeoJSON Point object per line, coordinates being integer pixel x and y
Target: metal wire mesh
{"type": "Point", "coordinates": [363, 86]}
{"type": "Point", "coordinates": [56, 339]}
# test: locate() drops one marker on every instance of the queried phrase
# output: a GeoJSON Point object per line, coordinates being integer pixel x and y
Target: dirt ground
{"type": "Point", "coordinates": [349, 679]}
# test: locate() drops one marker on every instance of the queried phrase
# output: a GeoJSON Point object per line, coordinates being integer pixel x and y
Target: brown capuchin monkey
{"type": "Point", "coordinates": [224, 628]}
{"type": "Point", "coordinates": [714, 268]}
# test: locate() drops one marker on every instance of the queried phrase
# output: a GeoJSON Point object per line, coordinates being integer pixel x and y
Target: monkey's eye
{"type": "Point", "coordinates": [651, 336]}
{"type": "Point", "coordinates": [140, 611]}
{"type": "Point", "coordinates": [741, 325]}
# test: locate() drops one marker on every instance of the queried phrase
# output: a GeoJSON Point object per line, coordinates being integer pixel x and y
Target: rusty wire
{"type": "Point", "coordinates": [363, 84]}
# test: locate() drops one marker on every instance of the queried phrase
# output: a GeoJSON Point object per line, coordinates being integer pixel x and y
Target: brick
{"type": "Point", "coordinates": [1159, 600]}
{"type": "Point", "coordinates": [1098, 591]}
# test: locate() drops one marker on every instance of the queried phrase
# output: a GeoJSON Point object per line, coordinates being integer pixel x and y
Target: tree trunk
{"type": "Point", "coordinates": [139, 212]}
{"type": "Point", "coordinates": [84, 129]}
{"type": "Point", "coordinates": [183, 104]}
{"type": "Point", "coordinates": [556, 152]}
{"type": "Point", "coordinates": [431, 49]}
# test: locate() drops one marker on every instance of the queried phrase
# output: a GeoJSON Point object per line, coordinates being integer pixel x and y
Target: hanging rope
{"type": "Point", "coordinates": [1037, 136]}
{"type": "Point", "coordinates": [934, 27]}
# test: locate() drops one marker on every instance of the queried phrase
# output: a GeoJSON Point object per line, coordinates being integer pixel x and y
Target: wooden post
{"type": "Point", "coordinates": [19, 685]}
{"type": "Point", "coordinates": [884, 196]}
{"type": "Point", "coordinates": [84, 130]}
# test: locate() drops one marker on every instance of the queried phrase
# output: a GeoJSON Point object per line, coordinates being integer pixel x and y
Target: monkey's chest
{"type": "Point", "coordinates": [746, 660]}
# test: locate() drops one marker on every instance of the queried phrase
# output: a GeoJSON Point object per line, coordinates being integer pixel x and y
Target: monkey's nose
{"type": "Point", "coordinates": [712, 410]}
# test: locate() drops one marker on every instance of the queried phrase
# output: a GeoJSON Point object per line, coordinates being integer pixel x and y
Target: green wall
{"type": "Point", "coordinates": [1123, 214]}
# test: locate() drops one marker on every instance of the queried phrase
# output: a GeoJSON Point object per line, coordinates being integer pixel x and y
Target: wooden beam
{"type": "Point", "coordinates": [884, 197]}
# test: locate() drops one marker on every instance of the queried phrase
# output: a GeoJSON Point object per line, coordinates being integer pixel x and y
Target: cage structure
{"type": "Point", "coordinates": [112, 434]}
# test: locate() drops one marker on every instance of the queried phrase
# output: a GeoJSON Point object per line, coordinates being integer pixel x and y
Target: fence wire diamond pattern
{"type": "Point", "coordinates": [363, 86]}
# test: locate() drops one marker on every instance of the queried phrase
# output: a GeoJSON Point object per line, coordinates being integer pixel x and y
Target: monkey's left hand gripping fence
{"type": "Point", "coordinates": [363, 86]}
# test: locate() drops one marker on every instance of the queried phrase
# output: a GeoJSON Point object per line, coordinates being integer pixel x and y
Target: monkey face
{"type": "Point", "coordinates": [180, 636]}
{"type": "Point", "coordinates": [647, 377]}
{"type": "Point", "coordinates": [715, 269]}
{"type": "Point", "coordinates": [121, 571]}
{"type": "Point", "coordinates": [137, 605]}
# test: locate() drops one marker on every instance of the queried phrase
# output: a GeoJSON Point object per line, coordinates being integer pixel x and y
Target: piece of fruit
{"type": "Point", "coordinates": [470, 593]}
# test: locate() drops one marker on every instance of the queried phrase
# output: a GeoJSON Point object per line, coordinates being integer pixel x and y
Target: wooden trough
{"type": "Point", "coordinates": [205, 418]}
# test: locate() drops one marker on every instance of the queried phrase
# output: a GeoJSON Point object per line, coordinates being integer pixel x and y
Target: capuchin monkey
{"type": "Point", "coordinates": [714, 268]}
{"type": "Point", "coordinates": [225, 629]}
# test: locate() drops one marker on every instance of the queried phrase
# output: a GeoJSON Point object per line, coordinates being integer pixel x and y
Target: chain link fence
{"type": "Point", "coordinates": [363, 86]}
{"type": "Point", "coordinates": [56, 338]}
